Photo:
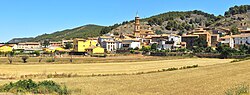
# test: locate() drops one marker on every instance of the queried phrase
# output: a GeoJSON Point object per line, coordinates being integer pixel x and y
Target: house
{"type": "Point", "coordinates": [172, 42]}
{"type": "Point", "coordinates": [131, 43]}
{"type": "Point", "coordinates": [28, 47]}
{"type": "Point", "coordinates": [215, 40]}
{"type": "Point", "coordinates": [5, 48]}
{"type": "Point", "coordinates": [241, 39]}
{"type": "Point", "coordinates": [95, 50]}
{"type": "Point", "coordinates": [227, 40]}
{"type": "Point", "coordinates": [112, 45]}
{"type": "Point", "coordinates": [55, 44]}
{"type": "Point", "coordinates": [109, 43]}
{"type": "Point", "coordinates": [189, 40]}
{"type": "Point", "coordinates": [101, 40]}
{"type": "Point", "coordinates": [206, 36]}
{"type": "Point", "coordinates": [80, 45]}
{"type": "Point", "coordinates": [64, 42]}
{"type": "Point", "coordinates": [244, 30]}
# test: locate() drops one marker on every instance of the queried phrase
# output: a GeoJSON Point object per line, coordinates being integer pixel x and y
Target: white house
{"type": "Point", "coordinates": [131, 43]}
{"type": "Point", "coordinates": [102, 39]}
{"type": "Point", "coordinates": [28, 45]}
{"type": "Point", "coordinates": [242, 39]}
{"type": "Point", "coordinates": [111, 45]}
{"type": "Point", "coordinates": [172, 42]}
{"type": "Point", "coordinates": [228, 40]}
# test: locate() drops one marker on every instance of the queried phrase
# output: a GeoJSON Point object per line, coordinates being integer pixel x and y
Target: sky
{"type": "Point", "coordinates": [30, 18]}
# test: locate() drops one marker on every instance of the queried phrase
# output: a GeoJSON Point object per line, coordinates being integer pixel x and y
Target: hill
{"type": "Point", "coordinates": [179, 22]}
{"type": "Point", "coordinates": [79, 32]}
{"type": "Point", "coordinates": [173, 22]}
{"type": "Point", "coordinates": [19, 40]}
{"type": "Point", "coordinates": [238, 16]}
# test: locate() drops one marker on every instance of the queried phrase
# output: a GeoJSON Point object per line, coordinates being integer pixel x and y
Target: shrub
{"type": "Point", "coordinates": [170, 69]}
{"type": "Point", "coordinates": [10, 60]}
{"type": "Point", "coordinates": [24, 58]}
{"type": "Point", "coordinates": [238, 90]}
{"type": "Point", "coordinates": [50, 60]}
{"type": "Point", "coordinates": [29, 86]}
{"type": "Point", "coordinates": [132, 51]}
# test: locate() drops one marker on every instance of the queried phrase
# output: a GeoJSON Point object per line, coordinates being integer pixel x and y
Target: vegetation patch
{"type": "Point", "coordinates": [239, 60]}
{"type": "Point", "coordinates": [241, 89]}
{"type": "Point", "coordinates": [148, 72]}
{"type": "Point", "coordinates": [29, 86]}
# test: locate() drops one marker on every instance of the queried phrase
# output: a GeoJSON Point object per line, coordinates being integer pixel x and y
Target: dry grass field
{"type": "Point", "coordinates": [212, 77]}
{"type": "Point", "coordinates": [103, 68]}
{"type": "Point", "coordinates": [81, 60]}
{"type": "Point", "coordinates": [206, 80]}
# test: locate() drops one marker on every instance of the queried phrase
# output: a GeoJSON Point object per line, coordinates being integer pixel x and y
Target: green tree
{"type": "Point", "coordinates": [158, 32]}
{"type": "Point", "coordinates": [146, 48]}
{"type": "Point", "coordinates": [234, 30]}
{"type": "Point", "coordinates": [154, 46]}
{"type": "Point", "coordinates": [199, 42]}
{"type": "Point", "coordinates": [116, 33]}
{"type": "Point", "coordinates": [46, 43]}
{"type": "Point", "coordinates": [68, 46]}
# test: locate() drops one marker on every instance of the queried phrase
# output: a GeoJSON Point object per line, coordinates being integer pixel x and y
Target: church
{"type": "Point", "coordinates": [140, 32]}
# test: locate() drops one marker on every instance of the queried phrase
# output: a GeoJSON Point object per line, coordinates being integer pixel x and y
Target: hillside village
{"type": "Point", "coordinates": [172, 53]}
{"type": "Point", "coordinates": [142, 37]}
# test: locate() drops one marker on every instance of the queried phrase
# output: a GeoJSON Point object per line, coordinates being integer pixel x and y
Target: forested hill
{"type": "Point", "coordinates": [173, 22]}
{"type": "Point", "coordinates": [179, 22]}
{"type": "Point", "coordinates": [79, 32]}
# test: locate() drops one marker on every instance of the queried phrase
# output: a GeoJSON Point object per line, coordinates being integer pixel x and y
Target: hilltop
{"type": "Point", "coordinates": [169, 22]}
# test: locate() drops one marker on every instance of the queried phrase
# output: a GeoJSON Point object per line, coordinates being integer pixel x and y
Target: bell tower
{"type": "Point", "coordinates": [137, 27]}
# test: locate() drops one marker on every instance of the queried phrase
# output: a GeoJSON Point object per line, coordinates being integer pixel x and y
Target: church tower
{"type": "Point", "coordinates": [137, 27]}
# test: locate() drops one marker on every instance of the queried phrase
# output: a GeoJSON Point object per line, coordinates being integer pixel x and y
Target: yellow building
{"type": "Point", "coordinates": [5, 48]}
{"type": "Point", "coordinates": [80, 45]}
{"type": "Point", "coordinates": [95, 50]}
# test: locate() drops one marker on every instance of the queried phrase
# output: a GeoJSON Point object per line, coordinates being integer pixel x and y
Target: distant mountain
{"type": "Point", "coordinates": [19, 40]}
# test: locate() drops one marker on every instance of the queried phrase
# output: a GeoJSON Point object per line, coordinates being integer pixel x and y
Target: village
{"type": "Point", "coordinates": [141, 39]}
{"type": "Point", "coordinates": [103, 47]}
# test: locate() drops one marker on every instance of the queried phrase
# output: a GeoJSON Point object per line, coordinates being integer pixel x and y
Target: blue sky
{"type": "Point", "coordinates": [29, 18]}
